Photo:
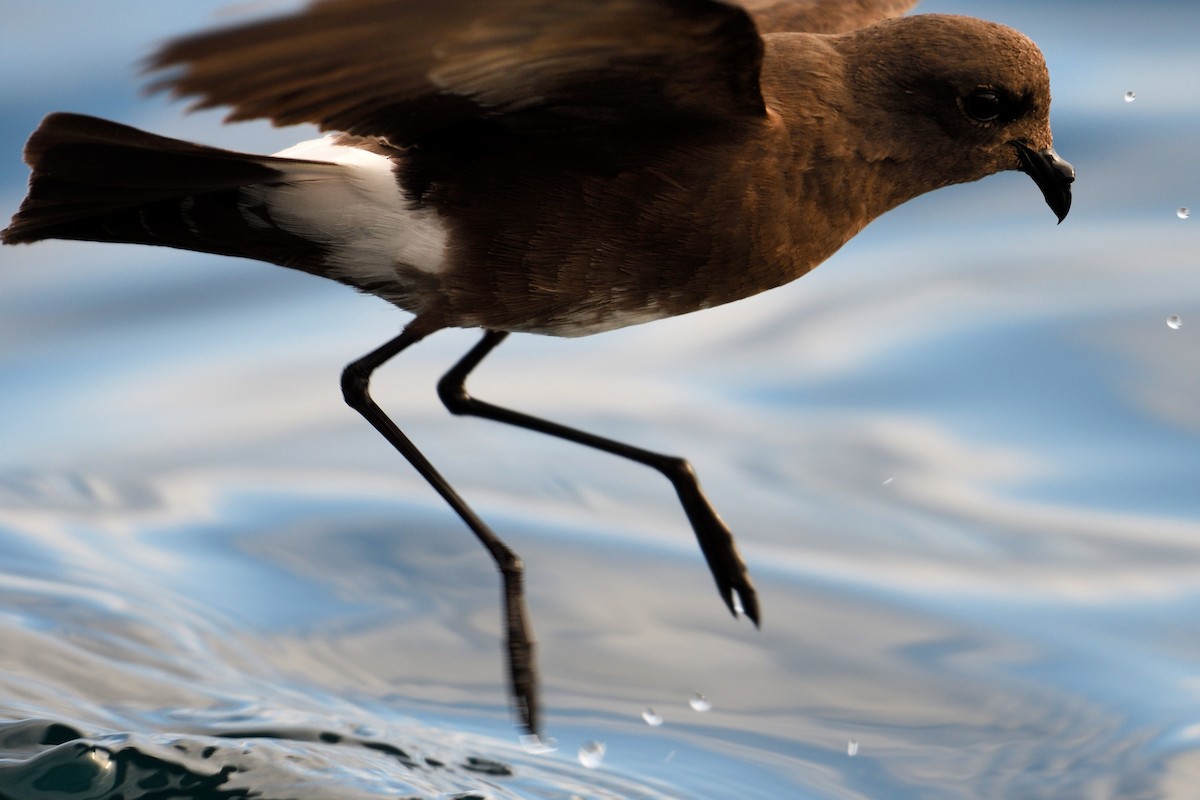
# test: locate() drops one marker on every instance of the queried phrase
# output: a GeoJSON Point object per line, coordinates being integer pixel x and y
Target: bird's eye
{"type": "Point", "coordinates": [983, 105]}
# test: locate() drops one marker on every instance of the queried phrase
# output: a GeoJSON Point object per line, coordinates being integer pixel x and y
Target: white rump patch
{"type": "Point", "coordinates": [356, 209]}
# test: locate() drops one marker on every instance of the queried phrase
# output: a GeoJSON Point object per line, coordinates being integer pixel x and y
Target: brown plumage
{"type": "Point", "coordinates": [559, 167]}
{"type": "Point", "coordinates": [821, 16]}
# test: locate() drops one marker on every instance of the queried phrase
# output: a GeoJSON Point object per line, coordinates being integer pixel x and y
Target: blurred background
{"type": "Point", "coordinates": [962, 459]}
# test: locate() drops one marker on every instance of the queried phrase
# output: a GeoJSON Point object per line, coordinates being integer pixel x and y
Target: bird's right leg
{"type": "Point", "coordinates": [715, 539]}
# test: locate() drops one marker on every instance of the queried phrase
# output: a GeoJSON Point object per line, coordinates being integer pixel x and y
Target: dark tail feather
{"type": "Point", "coordinates": [104, 182]}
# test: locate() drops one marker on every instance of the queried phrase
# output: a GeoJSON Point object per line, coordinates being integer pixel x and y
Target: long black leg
{"type": "Point", "coordinates": [716, 541]}
{"type": "Point", "coordinates": [521, 666]}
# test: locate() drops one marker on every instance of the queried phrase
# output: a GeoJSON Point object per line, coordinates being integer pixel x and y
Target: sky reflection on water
{"type": "Point", "coordinates": [963, 461]}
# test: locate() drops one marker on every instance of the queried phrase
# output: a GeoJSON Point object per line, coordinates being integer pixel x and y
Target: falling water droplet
{"type": "Point", "coordinates": [888, 479]}
{"type": "Point", "coordinates": [852, 748]}
{"type": "Point", "coordinates": [1184, 212]}
{"type": "Point", "coordinates": [1129, 96]}
{"type": "Point", "coordinates": [652, 717]}
{"type": "Point", "coordinates": [591, 754]}
{"type": "Point", "coordinates": [699, 702]}
{"type": "Point", "coordinates": [1174, 322]}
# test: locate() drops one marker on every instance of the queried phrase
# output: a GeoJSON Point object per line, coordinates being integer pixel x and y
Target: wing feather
{"type": "Point", "coordinates": [404, 69]}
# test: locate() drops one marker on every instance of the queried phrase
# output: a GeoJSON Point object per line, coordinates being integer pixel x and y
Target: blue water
{"type": "Point", "coordinates": [962, 460]}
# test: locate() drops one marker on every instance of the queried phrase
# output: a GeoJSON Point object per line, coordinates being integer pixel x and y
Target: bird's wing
{"type": "Point", "coordinates": [822, 16]}
{"type": "Point", "coordinates": [404, 69]}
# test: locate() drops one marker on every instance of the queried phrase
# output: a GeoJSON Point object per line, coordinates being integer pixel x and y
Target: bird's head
{"type": "Point", "coordinates": [958, 97]}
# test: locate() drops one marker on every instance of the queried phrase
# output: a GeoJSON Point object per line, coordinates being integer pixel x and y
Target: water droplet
{"type": "Point", "coordinates": [888, 479]}
{"type": "Point", "coordinates": [535, 745]}
{"type": "Point", "coordinates": [852, 748]}
{"type": "Point", "coordinates": [699, 702]}
{"type": "Point", "coordinates": [652, 717]}
{"type": "Point", "coordinates": [1184, 212]}
{"type": "Point", "coordinates": [591, 754]}
{"type": "Point", "coordinates": [1174, 322]}
{"type": "Point", "coordinates": [1130, 96]}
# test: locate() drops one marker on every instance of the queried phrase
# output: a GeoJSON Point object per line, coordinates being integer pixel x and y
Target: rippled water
{"type": "Point", "coordinates": [963, 461]}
